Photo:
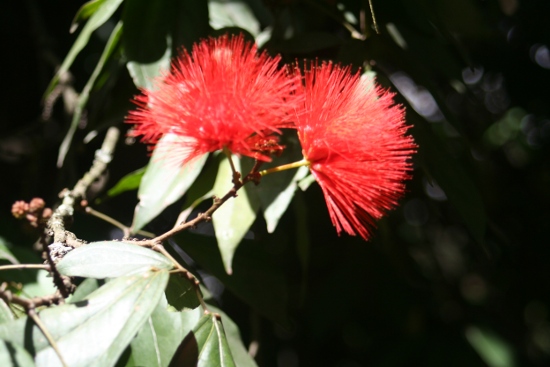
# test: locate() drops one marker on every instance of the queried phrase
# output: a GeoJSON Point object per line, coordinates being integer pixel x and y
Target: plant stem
{"type": "Point", "coordinates": [303, 162]}
{"type": "Point", "coordinates": [25, 266]}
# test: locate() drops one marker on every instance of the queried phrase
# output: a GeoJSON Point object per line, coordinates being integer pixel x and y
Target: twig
{"type": "Point", "coordinates": [373, 18]}
{"type": "Point", "coordinates": [25, 266]}
{"type": "Point", "coordinates": [116, 223]}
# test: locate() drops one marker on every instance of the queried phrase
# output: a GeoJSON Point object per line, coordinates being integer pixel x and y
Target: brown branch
{"type": "Point", "coordinates": [25, 266]}
{"type": "Point", "coordinates": [64, 240]}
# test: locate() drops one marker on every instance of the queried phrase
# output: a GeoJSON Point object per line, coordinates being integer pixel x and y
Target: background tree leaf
{"type": "Point", "coordinates": [100, 16]}
{"type": "Point", "coordinates": [257, 280]}
{"type": "Point", "coordinates": [127, 183]}
{"type": "Point", "coordinates": [111, 259]}
{"type": "Point", "coordinates": [85, 94]}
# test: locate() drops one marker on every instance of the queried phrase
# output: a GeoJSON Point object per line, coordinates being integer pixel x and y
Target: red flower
{"type": "Point", "coordinates": [353, 137]}
{"type": "Point", "coordinates": [223, 94]}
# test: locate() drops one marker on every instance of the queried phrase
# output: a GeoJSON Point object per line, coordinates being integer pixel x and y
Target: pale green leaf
{"type": "Point", "coordinates": [5, 312]}
{"type": "Point", "coordinates": [224, 14]}
{"type": "Point", "coordinates": [164, 181]}
{"type": "Point", "coordinates": [144, 74]}
{"type": "Point", "coordinates": [234, 218]}
{"type": "Point", "coordinates": [160, 336]}
{"type": "Point", "coordinates": [110, 259]}
{"type": "Point", "coordinates": [95, 331]}
{"type": "Point", "coordinates": [13, 355]}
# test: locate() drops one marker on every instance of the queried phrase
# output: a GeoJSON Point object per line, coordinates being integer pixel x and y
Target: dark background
{"type": "Point", "coordinates": [458, 275]}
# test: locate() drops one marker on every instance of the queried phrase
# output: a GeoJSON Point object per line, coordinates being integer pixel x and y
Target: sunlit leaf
{"type": "Point", "coordinates": [100, 16]}
{"type": "Point", "coordinates": [234, 218]}
{"type": "Point", "coordinates": [85, 94]}
{"type": "Point", "coordinates": [95, 331]}
{"type": "Point", "coordinates": [225, 14]}
{"type": "Point", "coordinates": [13, 355]}
{"type": "Point", "coordinates": [164, 181]}
{"type": "Point", "coordinates": [5, 312]}
{"type": "Point", "coordinates": [129, 182]}
{"type": "Point", "coordinates": [84, 289]}
{"type": "Point", "coordinates": [110, 259]}
{"type": "Point", "coordinates": [205, 346]}
{"type": "Point", "coordinates": [158, 339]}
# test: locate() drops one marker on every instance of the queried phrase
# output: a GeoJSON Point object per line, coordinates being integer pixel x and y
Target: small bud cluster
{"type": "Point", "coordinates": [34, 211]}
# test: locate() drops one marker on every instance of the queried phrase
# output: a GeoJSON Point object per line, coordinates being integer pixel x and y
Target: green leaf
{"type": "Point", "coordinates": [234, 218]}
{"type": "Point", "coordinates": [5, 253]}
{"type": "Point", "coordinates": [100, 16]}
{"type": "Point", "coordinates": [233, 336]}
{"type": "Point", "coordinates": [225, 14]}
{"type": "Point", "coordinates": [205, 346]}
{"type": "Point", "coordinates": [96, 331]}
{"type": "Point", "coordinates": [146, 29]}
{"type": "Point", "coordinates": [110, 259]}
{"type": "Point", "coordinates": [256, 279]}
{"type": "Point", "coordinates": [85, 12]}
{"type": "Point", "coordinates": [491, 347]}
{"type": "Point", "coordinates": [13, 355]}
{"type": "Point", "coordinates": [164, 181]}
{"type": "Point", "coordinates": [5, 312]}
{"type": "Point", "coordinates": [129, 182]}
{"type": "Point", "coordinates": [84, 289]}
{"type": "Point", "coordinates": [158, 339]}
{"type": "Point", "coordinates": [85, 94]}
{"type": "Point", "coordinates": [276, 190]}
{"type": "Point", "coordinates": [181, 293]}
{"type": "Point", "coordinates": [144, 75]}
{"type": "Point", "coordinates": [42, 286]}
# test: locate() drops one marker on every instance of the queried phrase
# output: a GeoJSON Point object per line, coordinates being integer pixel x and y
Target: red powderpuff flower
{"type": "Point", "coordinates": [353, 138]}
{"type": "Point", "coordinates": [222, 95]}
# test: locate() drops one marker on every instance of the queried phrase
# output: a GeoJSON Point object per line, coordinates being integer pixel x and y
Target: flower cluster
{"type": "Point", "coordinates": [224, 95]}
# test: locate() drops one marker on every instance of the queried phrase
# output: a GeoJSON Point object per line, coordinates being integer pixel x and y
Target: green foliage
{"type": "Point", "coordinates": [456, 276]}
